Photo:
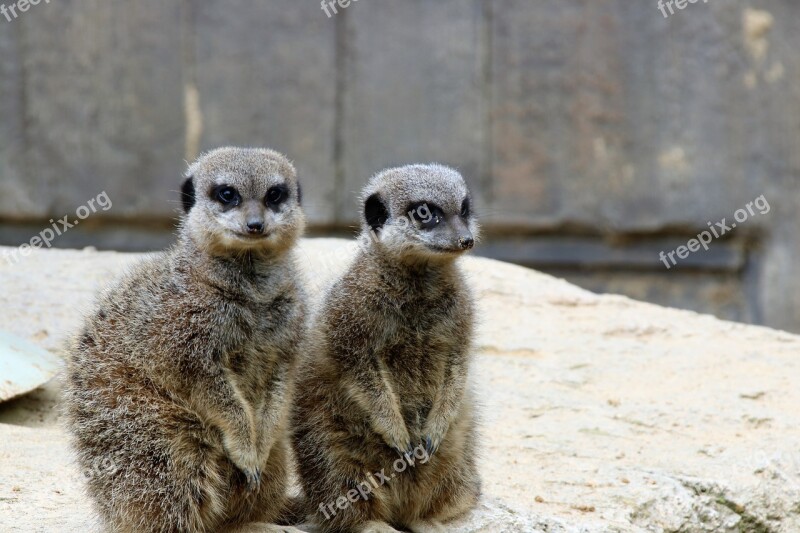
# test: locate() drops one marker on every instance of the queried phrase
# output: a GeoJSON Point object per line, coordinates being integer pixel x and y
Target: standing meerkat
{"type": "Point", "coordinates": [391, 354]}
{"type": "Point", "coordinates": [178, 388]}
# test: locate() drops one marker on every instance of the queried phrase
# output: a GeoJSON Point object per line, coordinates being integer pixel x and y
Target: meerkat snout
{"type": "Point", "coordinates": [257, 209]}
{"type": "Point", "coordinates": [419, 212]}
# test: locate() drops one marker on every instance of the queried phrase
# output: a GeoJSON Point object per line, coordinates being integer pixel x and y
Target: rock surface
{"type": "Point", "coordinates": [600, 413]}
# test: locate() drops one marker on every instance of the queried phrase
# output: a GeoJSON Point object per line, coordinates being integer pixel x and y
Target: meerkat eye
{"type": "Point", "coordinates": [436, 217]}
{"type": "Point", "coordinates": [226, 195]}
{"type": "Point", "coordinates": [465, 208]}
{"type": "Point", "coordinates": [277, 194]}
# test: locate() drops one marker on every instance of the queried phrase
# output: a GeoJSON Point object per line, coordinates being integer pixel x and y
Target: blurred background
{"type": "Point", "coordinates": [595, 134]}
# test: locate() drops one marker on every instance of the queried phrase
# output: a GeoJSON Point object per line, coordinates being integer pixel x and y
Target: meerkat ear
{"type": "Point", "coordinates": [187, 194]}
{"type": "Point", "coordinates": [375, 212]}
{"type": "Point", "coordinates": [299, 194]}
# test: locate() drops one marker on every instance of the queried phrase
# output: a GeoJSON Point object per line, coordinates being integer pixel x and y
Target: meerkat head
{"type": "Point", "coordinates": [418, 212]}
{"type": "Point", "coordinates": [241, 200]}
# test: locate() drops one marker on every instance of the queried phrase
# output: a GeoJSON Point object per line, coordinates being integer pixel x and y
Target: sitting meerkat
{"type": "Point", "coordinates": [178, 387]}
{"type": "Point", "coordinates": [390, 354]}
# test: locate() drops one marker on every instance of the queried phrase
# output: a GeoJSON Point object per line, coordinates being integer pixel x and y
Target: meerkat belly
{"type": "Point", "coordinates": [252, 371]}
{"type": "Point", "coordinates": [418, 365]}
{"type": "Point", "coordinates": [252, 365]}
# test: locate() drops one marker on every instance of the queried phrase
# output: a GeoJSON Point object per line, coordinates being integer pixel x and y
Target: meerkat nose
{"type": "Point", "coordinates": [255, 227]}
{"type": "Point", "coordinates": [466, 243]}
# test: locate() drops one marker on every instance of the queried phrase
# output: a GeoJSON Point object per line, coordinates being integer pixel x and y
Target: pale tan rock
{"type": "Point", "coordinates": [600, 413]}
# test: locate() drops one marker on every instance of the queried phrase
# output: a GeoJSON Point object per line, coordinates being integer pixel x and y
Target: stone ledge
{"type": "Point", "coordinates": [600, 413]}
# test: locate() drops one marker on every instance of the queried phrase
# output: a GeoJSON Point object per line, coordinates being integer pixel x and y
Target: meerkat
{"type": "Point", "coordinates": [387, 376]}
{"type": "Point", "coordinates": [178, 387]}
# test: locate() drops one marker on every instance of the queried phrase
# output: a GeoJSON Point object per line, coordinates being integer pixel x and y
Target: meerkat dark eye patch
{"type": "Point", "coordinates": [187, 194]}
{"type": "Point", "coordinates": [226, 195]}
{"type": "Point", "coordinates": [375, 212]}
{"type": "Point", "coordinates": [465, 208]}
{"type": "Point", "coordinates": [276, 195]}
{"type": "Point", "coordinates": [426, 214]}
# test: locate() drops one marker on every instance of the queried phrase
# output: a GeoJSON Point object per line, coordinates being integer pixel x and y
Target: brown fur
{"type": "Point", "coordinates": [179, 384]}
{"type": "Point", "coordinates": [389, 372]}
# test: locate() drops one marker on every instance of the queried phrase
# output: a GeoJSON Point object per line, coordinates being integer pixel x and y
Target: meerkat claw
{"type": "Point", "coordinates": [253, 478]}
{"type": "Point", "coordinates": [432, 444]}
{"type": "Point", "coordinates": [401, 451]}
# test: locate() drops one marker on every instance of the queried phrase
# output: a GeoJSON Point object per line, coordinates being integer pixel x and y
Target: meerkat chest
{"type": "Point", "coordinates": [248, 363]}
{"type": "Point", "coordinates": [421, 348]}
{"type": "Point", "coordinates": [425, 337]}
{"type": "Point", "coordinates": [263, 339]}
{"type": "Point", "coordinates": [431, 321]}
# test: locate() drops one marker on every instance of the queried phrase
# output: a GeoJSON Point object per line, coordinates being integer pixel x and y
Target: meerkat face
{"type": "Point", "coordinates": [419, 212]}
{"type": "Point", "coordinates": [242, 199]}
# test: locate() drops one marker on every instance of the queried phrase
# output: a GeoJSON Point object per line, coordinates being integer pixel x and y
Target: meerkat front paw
{"type": "Point", "coordinates": [265, 445]}
{"type": "Point", "coordinates": [253, 478]}
{"type": "Point", "coordinates": [246, 460]}
{"type": "Point", "coordinates": [399, 440]}
{"type": "Point", "coordinates": [431, 444]}
{"type": "Point", "coordinates": [433, 436]}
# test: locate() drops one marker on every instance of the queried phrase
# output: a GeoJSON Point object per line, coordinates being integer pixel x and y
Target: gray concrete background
{"type": "Point", "coordinates": [594, 133]}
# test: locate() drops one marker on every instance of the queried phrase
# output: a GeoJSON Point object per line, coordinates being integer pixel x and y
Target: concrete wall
{"type": "Point", "coordinates": [594, 133]}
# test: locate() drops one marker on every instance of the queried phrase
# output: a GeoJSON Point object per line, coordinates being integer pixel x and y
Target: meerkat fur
{"type": "Point", "coordinates": [390, 356]}
{"type": "Point", "coordinates": [181, 380]}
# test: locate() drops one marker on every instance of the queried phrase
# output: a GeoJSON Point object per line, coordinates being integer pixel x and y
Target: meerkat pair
{"type": "Point", "coordinates": [181, 382]}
